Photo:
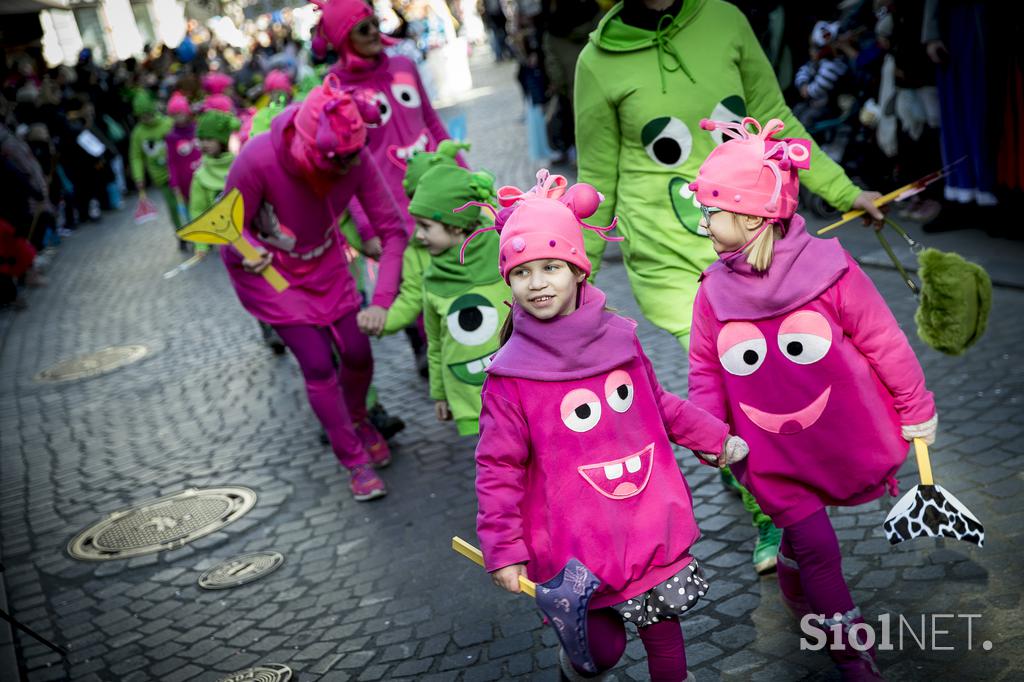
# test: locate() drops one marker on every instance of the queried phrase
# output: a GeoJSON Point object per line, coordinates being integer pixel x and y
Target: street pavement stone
{"type": "Point", "coordinates": [372, 591]}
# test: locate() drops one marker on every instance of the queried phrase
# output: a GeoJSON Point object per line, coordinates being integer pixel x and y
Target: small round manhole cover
{"type": "Point", "coordinates": [93, 364]}
{"type": "Point", "coordinates": [241, 570]}
{"type": "Point", "coordinates": [165, 523]}
{"type": "Point", "coordinates": [268, 672]}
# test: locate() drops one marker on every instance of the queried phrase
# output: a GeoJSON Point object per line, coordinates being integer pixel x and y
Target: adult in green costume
{"type": "Point", "coordinates": [147, 151]}
{"type": "Point", "coordinates": [651, 71]}
{"type": "Point", "coordinates": [463, 307]}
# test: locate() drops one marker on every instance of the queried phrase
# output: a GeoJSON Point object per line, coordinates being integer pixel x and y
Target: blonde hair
{"type": "Point", "coordinates": [759, 253]}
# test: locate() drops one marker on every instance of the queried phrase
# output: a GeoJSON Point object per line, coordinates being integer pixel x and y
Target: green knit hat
{"type": "Point", "coordinates": [421, 162]}
{"type": "Point", "coordinates": [143, 103]}
{"type": "Point", "coordinates": [444, 188]}
{"type": "Point", "coordinates": [216, 125]}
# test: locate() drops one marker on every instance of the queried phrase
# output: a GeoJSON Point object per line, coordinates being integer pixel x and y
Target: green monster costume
{"type": "Point", "coordinates": [209, 179]}
{"type": "Point", "coordinates": [463, 303]}
{"type": "Point", "coordinates": [147, 150]}
{"type": "Point", "coordinates": [640, 96]}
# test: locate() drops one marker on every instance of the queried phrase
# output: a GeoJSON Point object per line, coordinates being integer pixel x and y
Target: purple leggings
{"type": "Point", "coordinates": [666, 657]}
{"type": "Point", "coordinates": [337, 395]}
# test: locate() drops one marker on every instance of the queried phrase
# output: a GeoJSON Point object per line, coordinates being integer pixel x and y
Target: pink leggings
{"type": "Point", "coordinates": [337, 395]}
{"type": "Point", "coordinates": [666, 657]}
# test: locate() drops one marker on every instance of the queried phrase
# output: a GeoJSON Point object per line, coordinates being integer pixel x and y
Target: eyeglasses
{"type": "Point", "coordinates": [707, 211]}
{"type": "Point", "coordinates": [365, 27]}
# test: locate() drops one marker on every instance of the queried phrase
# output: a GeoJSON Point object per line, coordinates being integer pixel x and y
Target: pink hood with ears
{"type": "Point", "coordinates": [332, 120]}
{"type": "Point", "coordinates": [178, 104]}
{"type": "Point", "coordinates": [545, 221]}
{"type": "Point", "coordinates": [752, 173]}
{"type": "Point", "coordinates": [216, 83]}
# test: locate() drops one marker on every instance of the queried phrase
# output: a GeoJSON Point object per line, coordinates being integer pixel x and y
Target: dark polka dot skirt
{"type": "Point", "coordinates": [669, 599]}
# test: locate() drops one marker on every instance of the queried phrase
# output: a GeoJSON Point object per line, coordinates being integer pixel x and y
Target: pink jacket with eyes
{"type": "Point", "coordinates": [818, 392]}
{"type": "Point", "coordinates": [575, 458]}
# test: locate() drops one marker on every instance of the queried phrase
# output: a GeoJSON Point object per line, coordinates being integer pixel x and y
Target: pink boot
{"type": "Point", "coordinates": [789, 584]}
{"type": "Point", "coordinates": [374, 443]}
{"type": "Point", "coordinates": [854, 663]}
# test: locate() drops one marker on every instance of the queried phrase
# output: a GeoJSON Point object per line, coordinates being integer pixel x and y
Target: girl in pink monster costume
{"type": "Point", "coordinates": [575, 453]}
{"type": "Point", "coordinates": [183, 154]}
{"type": "Point", "coordinates": [307, 169]}
{"type": "Point", "coordinates": [782, 309]}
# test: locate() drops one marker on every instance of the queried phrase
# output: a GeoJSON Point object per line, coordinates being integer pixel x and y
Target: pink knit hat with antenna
{"type": "Point", "coordinates": [545, 221]}
{"type": "Point", "coordinates": [332, 119]}
{"type": "Point", "coordinates": [752, 173]}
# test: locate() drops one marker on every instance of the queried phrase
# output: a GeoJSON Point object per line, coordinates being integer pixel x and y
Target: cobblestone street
{"type": "Point", "coordinates": [373, 591]}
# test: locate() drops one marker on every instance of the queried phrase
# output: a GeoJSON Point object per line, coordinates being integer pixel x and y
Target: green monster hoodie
{"type": "Point", "coordinates": [639, 98]}
{"type": "Point", "coordinates": [208, 182]}
{"type": "Point", "coordinates": [408, 305]}
{"type": "Point", "coordinates": [463, 310]}
{"type": "Point", "coordinates": [147, 151]}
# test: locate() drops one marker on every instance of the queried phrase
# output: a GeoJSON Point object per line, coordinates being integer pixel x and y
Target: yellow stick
{"type": "Point", "coordinates": [249, 252]}
{"type": "Point", "coordinates": [473, 554]}
{"type": "Point", "coordinates": [880, 201]}
{"type": "Point", "coordinates": [924, 465]}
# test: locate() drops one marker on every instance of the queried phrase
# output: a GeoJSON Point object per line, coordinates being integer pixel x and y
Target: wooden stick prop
{"type": "Point", "coordinates": [904, 192]}
{"type": "Point", "coordinates": [222, 224]}
{"type": "Point", "coordinates": [473, 554]}
{"type": "Point", "coordinates": [928, 509]}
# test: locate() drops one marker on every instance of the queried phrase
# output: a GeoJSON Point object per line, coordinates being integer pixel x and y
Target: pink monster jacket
{"type": "Point", "coordinates": [575, 456]}
{"type": "Point", "coordinates": [808, 365]}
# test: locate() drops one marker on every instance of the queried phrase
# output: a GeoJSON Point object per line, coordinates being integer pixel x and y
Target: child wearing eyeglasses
{"type": "Point", "coordinates": [794, 347]}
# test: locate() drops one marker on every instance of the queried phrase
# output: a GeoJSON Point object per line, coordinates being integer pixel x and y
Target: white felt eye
{"type": "Point", "coordinates": [618, 390]}
{"type": "Point", "coordinates": [581, 410]}
{"type": "Point", "coordinates": [406, 95]}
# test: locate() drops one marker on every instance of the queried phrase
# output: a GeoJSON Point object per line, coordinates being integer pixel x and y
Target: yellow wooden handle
{"type": "Point", "coordinates": [249, 252]}
{"type": "Point", "coordinates": [880, 201]}
{"type": "Point", "coordinates": [473, 554]}
{"type": "Point", "coordinates": [924, 465]}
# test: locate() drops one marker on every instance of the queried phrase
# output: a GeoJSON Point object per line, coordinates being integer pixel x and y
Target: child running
{"type": "Point", "coordinates": [575, 457]}
{"type": "Point", "coordinates": [793, 345]}
{"type": "Point", "coordinates": [213, 130]}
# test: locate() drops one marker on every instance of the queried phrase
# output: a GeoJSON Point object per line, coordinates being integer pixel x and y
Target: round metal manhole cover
{"type": "Point", "coordinates": [268, 672]}
{"type": "Point", "coordinates": [165, 523]}
{"type": "Point", "coordinates": [93, 364]}
{"type": "Point", "coordinates": [241, 570]}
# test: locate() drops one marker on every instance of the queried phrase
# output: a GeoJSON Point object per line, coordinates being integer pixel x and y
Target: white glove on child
{"type": "Point", "coordinates": [735, 449]}
{"type": "Point", "coordinates": [925, 430]}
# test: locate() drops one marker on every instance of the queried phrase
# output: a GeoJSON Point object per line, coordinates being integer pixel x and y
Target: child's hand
{"type": "Point", "coordinates": [865, 201]}
{"type": "Point", "coordinates": [735, 449]}
{"type": "Point", "coordinates": [925, 430]}
{"type": "Point", "coordinates": [443, 412]}
{"type": "Point", "coordinates": [258, 266]}
{"type": "Point", "coordinates": [508, 578]}
{"type": "Point", "coordinates": [371, 320]}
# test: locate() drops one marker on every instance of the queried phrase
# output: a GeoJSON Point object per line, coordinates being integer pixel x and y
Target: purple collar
{"type": "Point", "coordinates": [584, 343]}
{"type": "Point", "coordinates": [802, 268]}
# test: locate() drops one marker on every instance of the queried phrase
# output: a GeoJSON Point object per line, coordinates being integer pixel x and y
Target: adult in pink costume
{"type": "Point", "coordinates": [809, 366]}
{"type": "Point", "coordinates": [308, 169]}
{"type": "Point", "coordinates": [408, 121]}
{"type": "Point", "coordinates": [183, 154]}
{"type": "Point", "coordinates": [575, 455]}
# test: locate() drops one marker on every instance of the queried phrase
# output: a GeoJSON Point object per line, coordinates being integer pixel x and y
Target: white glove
{"type": "Point", "coordinates": [735, 449]}
{"type": "Point", "coordinates": [925, 430]}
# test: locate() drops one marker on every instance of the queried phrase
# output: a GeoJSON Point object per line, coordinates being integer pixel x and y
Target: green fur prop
{"type": "Point", "coordinates": [956, 297]}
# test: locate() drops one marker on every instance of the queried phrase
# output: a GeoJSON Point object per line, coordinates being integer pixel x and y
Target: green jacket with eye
{"type": "Point", "coordinates": [463, 310]}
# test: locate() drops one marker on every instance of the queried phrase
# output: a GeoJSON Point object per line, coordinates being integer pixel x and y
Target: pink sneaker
{"type": "Point", "coordinates": [366, 484]}
{"type": "Point", "coordinates": [380, 453]}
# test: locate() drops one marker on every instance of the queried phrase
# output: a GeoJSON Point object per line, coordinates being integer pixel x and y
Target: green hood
{"type": "Point", "coordinates": [614, 35]}
{"type": "Point", "coordinates": [156, 129]}
{"type": "Point", "coordinates": [446, 277]}
{"type": "Point", "coordinates": [212, 173]}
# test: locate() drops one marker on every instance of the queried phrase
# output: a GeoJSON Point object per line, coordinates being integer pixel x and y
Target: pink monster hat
{"type": "Point", "coordinates": [332, 120]}
{"type": "Point", "coordinates": [752, 173]}
{"type": "Point", "coordinates": [277, 81]}
{"type": "Point", "coordinates": [337, 19]}
{"type": "Point", "coordinates": [546, 221]}
{"type": "Point", "coordinates": [216, 82]}
{"type": "Point", "coordinates": [219, 103]}
{"type": "Point", "coordinates": [178, 104]}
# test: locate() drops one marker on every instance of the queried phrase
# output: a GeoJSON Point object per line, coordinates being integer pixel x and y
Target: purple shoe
{"type": "Point", "coordinates": [564, 600]}
{"type": "Point", "coordinates": [366, 484]}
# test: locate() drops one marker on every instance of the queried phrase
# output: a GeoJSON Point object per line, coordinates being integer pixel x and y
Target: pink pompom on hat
{"type": "Point", "coordinates": [752, 173]}
{"type": "Point", "coordinates": [216, 82]}
{"type": "Point", "coordinates": [178, 104]}
{"type": "Point", "coordinates": [332, 119]}
{"type": "Point", "coordinates": [277, 81]}
{"type": "Point", "coordinates": [545, 221]}
{"type": "Point", "coordinates": [219, 103]}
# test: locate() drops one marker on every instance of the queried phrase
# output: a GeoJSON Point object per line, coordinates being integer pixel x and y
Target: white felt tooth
{"type": "Point", "coordinates": [475, 367]}
{"type": "Point", "coordinates": [613, 471]}
{"type": "Point", "coordinates": [633, 464]}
